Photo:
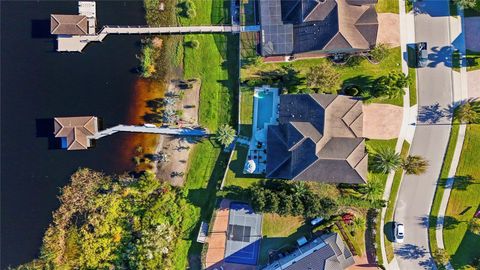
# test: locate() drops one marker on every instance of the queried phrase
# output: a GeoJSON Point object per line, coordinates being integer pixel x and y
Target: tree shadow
{"type": "Point", "coordinates": [432, 222]}
{"type": "Point", "coordinates": [155, 104]}
{"type": "Point", "coordinates": [284, 77]}
{"type": "Point", "coordinates": [246, 130]}
{"type": "Point", "coordinates": [441, 55]}
{"type": "Point", "coordinates": [467, 251]}
{"type": "Point", "coordinates": [432, 8]}
{"type": "Point", "coordinates": [388, 231]}
{"type": "Point", "coordinates": [364, 82]}
{"type": "Point", "coordinates": [463, 182]}
{"type": "Point", "coordinates": [430, 114]}
{"type": "Point", "coordinates": [44, 128]}
{"type": "Point", "coordinates": [411, 252]}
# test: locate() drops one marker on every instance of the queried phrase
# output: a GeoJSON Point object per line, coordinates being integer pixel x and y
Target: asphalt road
{"type": "Point", "coordinates": [431, 135]}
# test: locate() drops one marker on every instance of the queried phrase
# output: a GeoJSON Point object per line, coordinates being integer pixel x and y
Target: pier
{"type": "Point", "coordinates": [198, 132]}
{"type": "Point", "coordinates": [75, 32]}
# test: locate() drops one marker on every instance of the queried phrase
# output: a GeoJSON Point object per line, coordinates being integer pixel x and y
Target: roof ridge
{"type": "Point", "coordinates": [338, 33]}
{"type": "Point", "coordinates": [311, 12]}
{"type": "Point", "coordinates": [354, 149]}
{"type": "Point", "coordinates": [356, 170]}
{"type": "Point", "coordinates": [280, 165]}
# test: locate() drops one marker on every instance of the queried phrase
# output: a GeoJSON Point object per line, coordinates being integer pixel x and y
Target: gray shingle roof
{"type": "Point", "coordinates": [319, 138]}
{"type": "Point", "coordinates": [329, 25]}
{"type": "Point", "coordinates": [68, 24]}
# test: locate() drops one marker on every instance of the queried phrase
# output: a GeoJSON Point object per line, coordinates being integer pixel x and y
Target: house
{"type": "Point", "coordinates": [304, 28]}
{"type": "Point", "coordinates": [75, 131]}
{"type": "Point", "coordinates": [318, 138]}
{"type": "Point", "coordinates": [325, 252]}
{"type": "Point", "coordinates": [68, 25]}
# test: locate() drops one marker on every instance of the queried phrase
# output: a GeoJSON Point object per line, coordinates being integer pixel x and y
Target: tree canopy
{"type": "Point", "coordinates": [225, 135]}
{"type": "Point", "coordinates": [113, 223]}
{"type": "Point", "coordinates": [290, 199]}
{"type": "Point", "coordinates": [323, 78]}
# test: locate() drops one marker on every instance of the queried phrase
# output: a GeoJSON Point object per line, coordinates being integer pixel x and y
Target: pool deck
{"type": "Point", "coordinates": [258, 145]}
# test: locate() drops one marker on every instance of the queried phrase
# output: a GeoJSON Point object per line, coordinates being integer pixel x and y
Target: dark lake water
{"type": "Point", "coordinates": [39, 83]}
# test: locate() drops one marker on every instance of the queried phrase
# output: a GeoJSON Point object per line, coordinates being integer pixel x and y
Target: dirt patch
{"type": "Point", "coordinates": [382, 121]}
{"type": "Point", "coordinates": [175, 150]}
{"type": "Point", "coordinates": [472, 30]}
{"type": "Point", "coordinates": [389, 29]}
{"type": "Point", "coordinates": [474, 83]}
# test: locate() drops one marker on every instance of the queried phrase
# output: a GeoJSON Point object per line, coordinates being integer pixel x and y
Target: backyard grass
{"type": "Point", "coordinates": [246, 111]}
{"type": "Point", "coordinates": [387, 6]}
{"type": "Point", "coordinates": [235, 175]}
{"type": "Point", "coordinates": [279, 232]}
{"type": "Point", "coordinates": [464, 201]}
{"type": "Point", "coordinates": [412, 86]}
{"type": "Point", "coordinates": [361, 75]}
{"type": "Point", "coordinates": [447, 162]}
{"type": "Point", "coordinates": [397, 180]}
{"type": "Point", "coordinates": [215, 62]}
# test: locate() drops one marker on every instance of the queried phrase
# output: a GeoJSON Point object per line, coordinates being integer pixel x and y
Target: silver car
{"type": "Point", "coordinates": [398, 232]}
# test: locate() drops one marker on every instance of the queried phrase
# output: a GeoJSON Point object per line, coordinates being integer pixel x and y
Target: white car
{"type": "Point", "coordinates": [398, 232]}
{"type": "Point", "coordinates": [316, 221]}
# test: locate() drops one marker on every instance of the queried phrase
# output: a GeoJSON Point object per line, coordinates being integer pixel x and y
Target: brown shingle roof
{"type": "Point", "coordinates": [76, 130]}
{"type": "Point", "coordinates": [68, 24]}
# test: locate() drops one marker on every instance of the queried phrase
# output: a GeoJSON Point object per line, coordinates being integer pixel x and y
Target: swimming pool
{"type": "Point", "coordinates": [265, 108]}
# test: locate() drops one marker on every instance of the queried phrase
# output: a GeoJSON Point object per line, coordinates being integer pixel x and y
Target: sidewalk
{"type": "Point", "coordinates": [407, 35]}
{"type": "Point", "coordinates": [460, 93]}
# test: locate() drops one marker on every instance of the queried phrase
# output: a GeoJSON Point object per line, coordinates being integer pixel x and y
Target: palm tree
{"type": "Point", "coordinates": [415, 165]}
{"type": "Point", "coordinates": [299, 189]}
{"type": "Point", "coordinates": [386, 160]}
{"type": "Point", "coordinates": [468, 112]}
{"type": "Point", "coordinates": [359, 223]}
{"type": "Point", "coordinates": [225, 135]}
{"type": "Point", "coordinates": [372, 191]}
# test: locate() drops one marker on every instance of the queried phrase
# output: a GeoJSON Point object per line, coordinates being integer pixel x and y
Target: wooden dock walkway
{"type": "Point", "coordinates": [78, 43]}
{"type": "Point", "coordinates": [154, 130]}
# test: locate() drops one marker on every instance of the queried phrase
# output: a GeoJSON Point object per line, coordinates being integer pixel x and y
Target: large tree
{"type": "Point", "coordinates": [372, 191]}
{"type": "Point", "coordinates": [323, 78]}
{"type": "Point", "coordinates": [415, 165]}
{"type": "Point", "coordinates": [386, 160]}
{"type": "Point", "coordinates": [225, 135]}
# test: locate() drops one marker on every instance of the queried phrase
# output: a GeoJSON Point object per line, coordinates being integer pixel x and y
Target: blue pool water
{"type": "Point", "coordinates": [265, 108]}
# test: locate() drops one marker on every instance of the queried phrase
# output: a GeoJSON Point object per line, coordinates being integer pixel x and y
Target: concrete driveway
{"type": "Point", "coordinates": [431, 135]}
{"type": "Point", "coordinates": [382, 121]}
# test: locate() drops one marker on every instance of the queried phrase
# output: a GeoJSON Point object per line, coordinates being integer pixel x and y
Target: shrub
{"type": "Point", "coordinates": [352, 90]}
{"type": "Point", "coordinates": [379, 52]}
{"type": "Point", "coordinates": [194, 44]}
{"type": "Point", "coordinates": [474, 226]}
{"type": "Point", "coordinates": [441, 256]}
{"type": "Point", "coordinates": [354, 60]}
{"type": "Point", "coordinates": [323, 78]}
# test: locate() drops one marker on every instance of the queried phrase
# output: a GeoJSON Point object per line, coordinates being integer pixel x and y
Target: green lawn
{"type": "Point", "coordinates": [207, 164]}
{"type": "Point", "coordinates": [279, 232]}
{"type": "Point", "coordinates": [397, 180]}
{"type": "Point", "coordinates": [235, 175]}
{"type": "Point", "coordinates": [463, 203]}
{"type": "Point", "coordinates": [215, 62]}
{"type": "Point", "coordinates": [412, 86]}
{"type": "Point", "coordinates": [246, 112]}
{"type": "Point", "coordinates": [387, 6]}
{"type": "Point", "coordinates": [372, 147]}
{"type": "Point", "coordinates": [447, 162]}
{"type": "Point", "coordinates": [361, 75]}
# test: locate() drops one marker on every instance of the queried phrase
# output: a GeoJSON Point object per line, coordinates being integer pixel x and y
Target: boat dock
{"type": "Point", "coordinates": [199, 132]}
{"type": "Point", "coordinates": [78, 31]}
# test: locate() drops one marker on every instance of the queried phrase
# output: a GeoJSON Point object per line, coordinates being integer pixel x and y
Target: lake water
{"type": "Point", "coordinates": [38, 83]}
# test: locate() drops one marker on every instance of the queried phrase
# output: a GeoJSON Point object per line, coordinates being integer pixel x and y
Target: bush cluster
{"type": "Point", "coordinates": [286, 198]}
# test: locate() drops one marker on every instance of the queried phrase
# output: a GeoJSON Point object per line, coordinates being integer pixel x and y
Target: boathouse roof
{"type": "Point", "coordinates": [76, 130]}
{"type": "Point", "coordinates": [68, 24]}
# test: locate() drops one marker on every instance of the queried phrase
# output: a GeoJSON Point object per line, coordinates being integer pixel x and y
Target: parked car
{"type": "Point", "coordinates": [398, 232]}
{"type": "Point", "coordinates": [421, 54]}
{"type": "Point", "coordinates": [316, 221]}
